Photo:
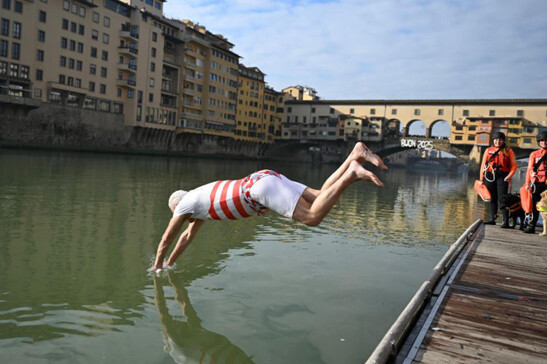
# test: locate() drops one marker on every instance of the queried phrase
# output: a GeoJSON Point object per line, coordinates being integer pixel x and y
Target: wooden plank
{"type": "Point", "coordinates": [474, 328]}
{"type": "Point", "coordinates": [496, 308]}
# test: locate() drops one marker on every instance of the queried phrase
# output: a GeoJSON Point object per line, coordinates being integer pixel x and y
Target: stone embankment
{"type": "Point", "coordinates": [65, 128]}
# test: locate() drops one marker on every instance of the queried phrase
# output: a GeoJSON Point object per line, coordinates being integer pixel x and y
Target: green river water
{"type": "Point", "coordinates": [78, 233]}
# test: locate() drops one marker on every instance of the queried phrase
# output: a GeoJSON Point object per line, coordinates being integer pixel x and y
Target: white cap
{"type": "Point", "coordinates": [175, 199]}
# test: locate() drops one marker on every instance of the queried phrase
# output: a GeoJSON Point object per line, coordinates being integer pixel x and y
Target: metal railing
{"type": "Point", "coordinates": [390, 343]}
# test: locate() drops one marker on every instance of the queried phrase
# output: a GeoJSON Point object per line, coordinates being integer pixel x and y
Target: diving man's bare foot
{"type": "Point", "coordinates": [362, 174]}
{"type": "Point", "coordinates": [362, 154]}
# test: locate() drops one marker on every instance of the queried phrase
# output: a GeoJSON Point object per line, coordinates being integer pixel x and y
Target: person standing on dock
{"type": "Point", "coordinates": [497, 168]}
{"type": "Point", "coordinates": [536, 177]}
{"type": "Point", "coordinates": [256, 193]}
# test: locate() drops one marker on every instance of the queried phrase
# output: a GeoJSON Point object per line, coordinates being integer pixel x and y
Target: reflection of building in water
{"type": "Point", "coordinates": [187, 341]}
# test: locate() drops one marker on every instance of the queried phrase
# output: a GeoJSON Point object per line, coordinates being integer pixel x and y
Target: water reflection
{"type": "Point", "coordinates": [78, 232]}
{"type": "Point", "coordinates": [186, 340]}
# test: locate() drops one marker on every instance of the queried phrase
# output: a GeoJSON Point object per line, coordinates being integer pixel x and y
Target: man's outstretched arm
{"type": "Point", "coordinates": [175, 224]}
{"type": "Point", "coordinates": [185, 239]}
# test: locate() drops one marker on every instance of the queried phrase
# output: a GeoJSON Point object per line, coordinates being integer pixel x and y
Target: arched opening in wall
{"type": "Point", "coordinates": [440, 129]}
{"type": "Point", "coordinates": [394, 128]}
{"type": "Point", "coordinates": [416, 128]}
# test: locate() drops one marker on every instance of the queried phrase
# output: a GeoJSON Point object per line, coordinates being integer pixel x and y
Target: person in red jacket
{"type": "Point", "coordinates": [536, 176]}
{"type": "Point", "coordinates": [497, 168]}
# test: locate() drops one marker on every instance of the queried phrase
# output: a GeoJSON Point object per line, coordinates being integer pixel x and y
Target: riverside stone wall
{"type": "Point", "coordinates": [60, 127]}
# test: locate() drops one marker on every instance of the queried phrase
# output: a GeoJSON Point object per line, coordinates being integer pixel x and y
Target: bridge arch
{"type": "Point", "coordinates": [412, 125]}
{"type": "Point", "coordinates": [439, 128]}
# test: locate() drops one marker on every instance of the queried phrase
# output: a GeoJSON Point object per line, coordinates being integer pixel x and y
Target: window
{"type": "Point", "coordinates": [152, 81]}
{"type": "Point", "coordinates": [74, 8]}
{"type": "Point", "coordinates": [95, 17]}
{"type": "Point", "coordinates": [119, 92]}
{"type": "Point", "coordinates": [103, 71]}
{"type": "Point", "coordinates": [39, 75]}
{"type": "Point", "coordinates": [331, 110]}
{"type": "Point", "coordinates": [492, 113]}
{"type": "Point", "coordinates": [81, 29]}
{"type": "Point", "coordinates": [527, 140]}
{"type": "Point", "coordinates": [6, 4]}
{"type": "Point", "coordinates": [153, 52]}
{"type": "Point", "coordinates": [70, 81]}
{"type": "Point", "coordinates": [65, 24]}
{"type": "Point", "coordinates": [520, 113]}
{"type": "Point", "coordinates": [71, 63]}
{"type": "Point", "coordinates": [5, 27]}
{"type": "Point", "coordinates": [393, 111]}
{"type": "Point", "coordinates": [42, 16]}
{"type": "Point", "coordinates": [40, 55]}
{"type": "Point", "coordinates": [72, 46]}
{"type": "Point", "coordinates": [15, 50]}
{"type": "Point", "coordinates": [91, 86]}
{"type": "Point", "coordinates": [471, 137]}
{"type": "Point", "coordinates": [93, 52]}
{"type": "Point", "coordinates": [416, 111]}
{"type": "Point", "coordinates": [106, 38]}
{"type": "Point", "coordinates": [94, 34]}
{"type": "Point", "coordinates": [18, 7]}
{"type": "Point", "coordinates": [41, 36]}
{"type": "Point", "coordinates": [104, 56]}
{"type": "Point", "coordinates": [62, 61]}
{"type": "Point", "coordinates": [38, 92]}
{"type": "Point", "coordinates": [80, 47]}
{"type": "Point", "coordinates": [62, 79]}
{"type": "Point", "coordinates": [82, 12]}
{"type": "Point", "coordinates": [158, 5]}
{"type": "Point", "coordinates": [64, 43]}
{"type": "Point", "coordinates": [3, 48]}
{"type": "Point", "coordinates": [458, 137]}
{"type": "Point", "coordinates": [102, 88]}
{"type": "Point", "coordinates": [66, 5]}
{"type": "Point", "coordinates": [152, 67]}
{"type": "Point", "coordinates": [154, 37]}
{"type": "Point", "coordinates": [150, 2]}
{"type": "Point", "coordinates": [106, 21]}
{"type": "Point", "coordinates": [466, 113]}
{"type": "Point", "coordinates": [151, 97]}
{"type": "Point", "coordinates": [79, 65]}
{"type": "Point", "coordinates": [92, 69]}
{"type": "Point", "coordinates": [73, 27]}
{"type": "Point", "coordinates": [78, 82]}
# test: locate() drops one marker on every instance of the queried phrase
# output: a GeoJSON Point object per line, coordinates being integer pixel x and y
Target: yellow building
{"type": "Point", "coordinates": [273, 113]}
{"type": "Point", "coordinates": [519, 131]}
{"type": "Point", "coordinates": [301, 93]}
{"type": "Point", "coordinates": [251, 125]}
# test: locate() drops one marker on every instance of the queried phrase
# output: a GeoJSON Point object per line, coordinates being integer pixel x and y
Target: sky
{"type": "Point", "coordinates": [386, 49]}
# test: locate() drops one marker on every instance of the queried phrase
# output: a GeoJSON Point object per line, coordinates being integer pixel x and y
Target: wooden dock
{"type": "Point", "coordinates": [490, 305]}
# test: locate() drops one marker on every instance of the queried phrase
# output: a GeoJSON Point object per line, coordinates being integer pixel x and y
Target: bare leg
{"type": "Point", "coordinates": [359, 153]}
{"type": "Point", "coordinates": [313, 213]}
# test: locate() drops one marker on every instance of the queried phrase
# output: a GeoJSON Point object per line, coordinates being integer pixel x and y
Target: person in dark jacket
{"type": "Point", "coordinates": [498, 166]}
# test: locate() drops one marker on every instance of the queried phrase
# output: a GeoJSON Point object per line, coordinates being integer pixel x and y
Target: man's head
{"type": "Point", "coordinates": [175, 198]}
{"type": "Point", "coordinates": [542, 137]}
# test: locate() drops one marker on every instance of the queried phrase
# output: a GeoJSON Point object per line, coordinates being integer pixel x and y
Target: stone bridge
{"type": "Point", "coordinates": [337, 150]}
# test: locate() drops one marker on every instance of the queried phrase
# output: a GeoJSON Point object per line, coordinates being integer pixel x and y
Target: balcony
{"type": "Point", "coordinates": [188, 91]}
{"type": "Point", "coordinates": [127, 83]}
{"type": "Point", "coordinates": [189, 78]}
{"type": "Point", "coordinates": [132, 68]}
{"type": "Point", "coordinates": [128, 34]}
{"type": "Point", "coordinates": [129, 51]}
{"type": "Point", "coordinates": [192, 115]}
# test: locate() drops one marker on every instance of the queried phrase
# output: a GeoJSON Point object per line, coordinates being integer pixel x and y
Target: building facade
{"type": "Point", "coordinates": [122, 56]}
{"type": "Point", "coordinates": [470, 121]}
